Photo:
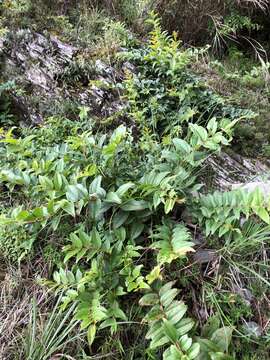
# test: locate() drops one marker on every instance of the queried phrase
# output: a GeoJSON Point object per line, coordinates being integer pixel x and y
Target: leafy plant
{"type": "Point", "coordinates": [222, 213]}
{"type": "Point", "coordinates": [16, 242]}
{"type": "Point", "coordinates": [174, 242]}
{"type": "Point", "coordinates": [114, 200]}
{"type": "Point", "coordinates": [164, 93]}
{"type": "Point", "coordinates": [215, 340]}
{"type": "Point", "coordinates": [230, 29]}
{"type": "Point", "coordinates": [6, 118]}
{"type": "Point", "coordinates": [169, 326]}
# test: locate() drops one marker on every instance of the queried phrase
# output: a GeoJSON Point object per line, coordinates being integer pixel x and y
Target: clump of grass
{"type": "Point", "coordinates": [15, 309]}
{"type": "Point", "coordinates": [49, 335]}
{"type": "Point", "coordinates": [32, 325]}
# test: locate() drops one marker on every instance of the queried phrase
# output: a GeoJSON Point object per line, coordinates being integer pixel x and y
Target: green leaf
{"type": "Point", "coordinates": [76, 192]}
{"type": "Point", "coordinates": [40, 212]}
{"type": "Point", "coordinates": [222, 338]}
{"type": "Point", "coordinates": [263, 214]}
{"type": "Point", "coordinates": [170, 331]}
{"type": "Point", "coordinates": [149, 299]}
{"type": "Point", "coordinates": [113, 198]}
{"type": "Point", "coordinates": [165, 288]}
{"type": "Point", "coordinates": [68, 207]}
{"type": "Point", "coordinates": [91, 333]}
{"type": "Point", "coordinates": [211, 326]}
{"type": "Point", "coordinates": [135, 205]}
{"type": "Point", "coordinates": [184, 326]}
{"type": "Point", "coordinates": [99, 313]}
{"type": "Point", "coordinates": [167, 298]}
{"type": "Point", "coordinates": [119, 218]}
{"type": "Point", "coordinates": [185, 343]}
{"type": "Point", "coordinates": [70, 254]}
{"type": "Point", "coordinates": [95, 238]}
{"type": "Point", "coordinates": [182, 145]}
{"type": "Point", "coordinates": [118, 313]}
{"type": "Point", "coordinates": [72, 193]}
{"type": "Point", "coordinates": [176, 311]}
{"type": "Point", "coordinates": [136, 230]}
{"type": "Point", "coordinates": [212, 125]}
{"type": "Point", "coordinates": [45, 182]}
{"type": "Point", "coordinates": [159, 341]}
{"type": "Point", "coordinates": [56, 277]}
{"type": "Point", "coordinates": [199, 131]}
{"type": "Point", "coordinates": [22, 215]}
{"type": "Point", "coordinates": [169, 205]}
{"type": "Point", "coordinates": [154, 275]}
{"type": "Point", "coordinates": [124, 188]}
{"type": "Point", "coordinates": [172, 353]}
{"type": "Point", "coordinates": [194, 351]}
{"type": "Point", "coordinates": [76, 241]}
{"type": "Point", "coordinates": [58, 182]}
{"type": "Point", "coordinates": [95, 187]}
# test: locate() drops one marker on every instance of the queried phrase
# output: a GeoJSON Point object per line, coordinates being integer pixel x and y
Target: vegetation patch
{"type": "Point", "coordinates": [145, 262]}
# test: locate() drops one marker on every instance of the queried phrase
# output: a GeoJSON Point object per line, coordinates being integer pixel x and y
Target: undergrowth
{"type": "Point", "coordinates": [245, 83]}
{"type": "Point", "coordinates": [121, 210]}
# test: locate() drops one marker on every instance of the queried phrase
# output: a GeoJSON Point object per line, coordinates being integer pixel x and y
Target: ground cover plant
{"type": "Point", "coordinates": [119, 209]}
{"type": "Point", "coordinates": [243, 82]}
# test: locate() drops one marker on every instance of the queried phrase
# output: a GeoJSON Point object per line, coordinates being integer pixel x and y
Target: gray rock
{"type": "Point", "coordinates": [203, 256]}
{"type": "Point", "coordinates": [38, 63]}
{"type": "Point", "coordinates": [263, 186]}
{"type": "Point", "coordinates": [127, 66]}
{"type": "Point", "coordinates": [231, 171]}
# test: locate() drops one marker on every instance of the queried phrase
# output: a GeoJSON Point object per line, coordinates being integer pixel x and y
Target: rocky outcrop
{"type": "Point", "coordinates": [232, 171]}
{"type": "Point", "coordinates": [50, 77]}
{"type": "Point", "coordinates": [264, 186]}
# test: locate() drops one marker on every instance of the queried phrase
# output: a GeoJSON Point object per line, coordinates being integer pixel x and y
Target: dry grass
{"type": "Point", "coordinates": [17, 288]}
{"type": "Point", "coordinates": [191, 18]}
{"type": "Point", "coordinates": [260, 4]}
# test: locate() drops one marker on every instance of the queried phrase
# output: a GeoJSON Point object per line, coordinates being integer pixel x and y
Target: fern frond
{"type": "Point", "coordinates": [220, 213]}
{"type": "Point", "coordinates": [174, 241]}
{"type": "Point", "coordinates": [168, 324]}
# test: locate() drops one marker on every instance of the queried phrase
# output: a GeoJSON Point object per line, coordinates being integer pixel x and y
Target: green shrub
{"type": "Point", "coordinates": [16, 243]}
{"type": "Point", "coordinates": [114, 201]}
{"type": "Point", "coordinates": [165, 93]}
{"type": "Point", "coordinates": [6, 118]}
